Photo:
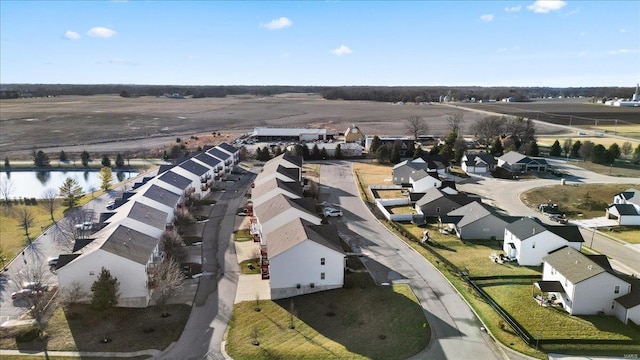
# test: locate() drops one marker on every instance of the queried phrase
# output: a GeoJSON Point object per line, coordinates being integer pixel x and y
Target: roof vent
{"type": "Point", "coordinates": [590, 267]}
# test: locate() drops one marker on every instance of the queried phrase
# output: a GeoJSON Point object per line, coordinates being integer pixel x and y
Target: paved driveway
{"type": "Point", "coordinates": [456, 330]}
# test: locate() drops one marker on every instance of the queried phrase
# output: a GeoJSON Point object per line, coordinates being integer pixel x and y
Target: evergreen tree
{"type": "Point", "coordinates": [323, 154]}
{"type": "Point", "coordinates": [556, 149]}
{"type": "Point", "coordinates": [106, 176]}
{"type": "Point", "coordinates": [63, 156]}
{"type": "Point", "coordinates": [575, 149]}
{"type": "Point", "coordinates": [338, 154]}
{"type": "Point", "coordinates": [599, 154]}
{"type": "Point", "coordinates": [315, 152]}
{"type": "Point", "coordinates": [395, 152]}
{"type": "Point", "coordinates": [70, 192]}
{"type": "Point", "coordinates": [40, 159]}
{"type": "Point", "coordinates": [418, 153]}
{"type": "Point", "coordinates": [85, 157]}
{"type": "Point", "coordinates": [6, 162]}
{"type": "Point", "coordinates": [459, 148]}
{"type": "Point", "coordinates": [382, 154]}
{"type": "Point", "coordinates": [435, 150]}
{"type": "Point", "coordinates": [614, 153]}
{"type": "Point", "coordinates": [305, 152]}
{"type": "Point", "coordinates": [532, 148]}
{"type": "Point", "coordinates": [105, 291]}
{"type": "Point", "coordinates": [497, 149]}
{"type": "Point", "coordinates": [375, 144]}
{"type": "Point", "coordinates": [636, 155]}
{"type": "Point", "coordinates": [120, 161]}
{"type": "Point", "coordinates": [106, 161]}
{"type": "Point", "coordinates": [447, 150]}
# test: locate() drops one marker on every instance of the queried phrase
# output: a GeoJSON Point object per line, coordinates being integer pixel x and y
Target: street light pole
{"type": "Point", "coordinates": [592, 236]}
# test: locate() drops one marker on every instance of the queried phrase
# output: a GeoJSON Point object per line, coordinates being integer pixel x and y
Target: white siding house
{"type": "Point", "coordinates": [528, 241]}
{"type": "Point", "coordinates": [582, 285]}
{"type": "Point", "coordinates": [304, 258]}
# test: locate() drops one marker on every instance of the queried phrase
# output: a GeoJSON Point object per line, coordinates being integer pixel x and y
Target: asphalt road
{"type": "Point", "coordinates": [455, 329]}
{"type": "Point", "coordinates": [505, 194]}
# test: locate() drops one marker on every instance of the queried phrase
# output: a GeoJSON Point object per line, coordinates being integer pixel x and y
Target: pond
{"type": "Point", "coordinates": [32, 184]}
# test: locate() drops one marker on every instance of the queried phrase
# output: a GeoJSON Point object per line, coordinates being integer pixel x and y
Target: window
{"type": "Point", "coordinates": [91, 273]}
{"type": "Point", "coordinates": [321, 276]}
{"type": "Point", "coordinates": [321, 261]}
{"type": "Point", "coordinates": [437, 210]}
{"type": "Point", "coordinates": [616, 290]}
{"type": "Point", "coordinates": [533, 246]}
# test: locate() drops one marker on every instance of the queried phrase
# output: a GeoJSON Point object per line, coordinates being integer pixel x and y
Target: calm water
{"type": "Point", "coordinates": [32, 184]}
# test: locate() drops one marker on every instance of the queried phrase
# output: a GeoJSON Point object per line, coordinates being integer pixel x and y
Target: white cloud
{"type": "Point", "coordinates": [342, 50]}
{"type": "Point", "coordinates": [623, 51]}
{"type": "Point", "coordinates": [71, 35]}
{"type": "Point", "coordinates": [513, 8]}
{"type": "Point", "coordinates": [277, 24]}
{"type": "Point", "coordinates": [546, 6]}
{"type": "Point", "coordinates": [101, 32]}
{"type": "Point", "coordinates": [486, 18]}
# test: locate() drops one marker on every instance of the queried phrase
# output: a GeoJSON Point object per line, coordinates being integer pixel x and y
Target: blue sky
{"type": "Point", "coordinates": [413, 43]}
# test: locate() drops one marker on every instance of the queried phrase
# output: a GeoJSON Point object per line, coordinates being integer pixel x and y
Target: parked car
{"type": "Point", "coordinates": [558, 217]}
{"type": "Point", "coordinates": [243, 213]}
{"type": "Point", "coordinates": [85, 226]}
{"type": "Point", "coordinates": [111, 205]}
{"type": "Point", "coordinates": [34, 285]}
{"type": "Point", "coordinates": [52, 261]}
{"type": "Point", "coordinates": [25, 293]}
{"type": "Point", "coordinates": [331, 212]}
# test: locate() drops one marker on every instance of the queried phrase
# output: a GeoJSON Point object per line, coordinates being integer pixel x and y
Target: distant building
{"type": "Point", "coordinates": [290, 134]}
{"type": "Point", "coordinates": [354, 135]}
{"type": "Point", "coordinates": [406, 143]}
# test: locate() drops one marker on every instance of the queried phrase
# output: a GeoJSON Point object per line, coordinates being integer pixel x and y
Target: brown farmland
{"type": "Point", "coordinates": [577, 112]}
{"type": "Point", "coordinates": [110, 123]}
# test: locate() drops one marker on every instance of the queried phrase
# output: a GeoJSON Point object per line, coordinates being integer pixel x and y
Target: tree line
{"type": "Point", "coordinates": [371, 93]}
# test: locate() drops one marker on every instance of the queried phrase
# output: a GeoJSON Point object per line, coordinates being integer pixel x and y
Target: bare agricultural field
{"type": "Point", "coordinates": [144, 122]}
{"type": "Point", "coordinates": [574, 112]}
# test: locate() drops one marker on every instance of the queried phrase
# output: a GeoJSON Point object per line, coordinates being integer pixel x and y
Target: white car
{"type": "Point", "coordinates": [53, 261]}
{"type": "Point", "coordinates": [331, 212]}
{"type": "Point", "coordinates": [87, 225]}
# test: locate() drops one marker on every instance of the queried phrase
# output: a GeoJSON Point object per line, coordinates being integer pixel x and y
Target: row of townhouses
{"type": "Point", "coordinates": [300, 253]}
{"type": "Point", "coordinates": [128, 242]}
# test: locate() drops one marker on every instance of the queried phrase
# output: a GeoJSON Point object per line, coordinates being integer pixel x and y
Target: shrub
{"type": "Point", "coordinates": [27, 335]}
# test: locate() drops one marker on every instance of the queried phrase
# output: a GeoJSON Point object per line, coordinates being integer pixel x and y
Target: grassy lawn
{"type": "Point", "coordinates": [627, 233]}
{"type": "Point", "coordinates": [405, 209]}
{"type": "Point", "coordinates": [515, 297]}
{"type": "Point", "coordinates": [619, 169]}
{"type": "Point", "coordinates": [244, 266]}
{"type": "Point", "coordinates": [242, 235]}
{"type": "Point", "coordinates": [124, 326]}
{"type": "Point", "coordinates": [573, 200]}
{"type": "Point", "coordinates": [376, 323]}
{"type": "Point", "coordinates": [389, 194]}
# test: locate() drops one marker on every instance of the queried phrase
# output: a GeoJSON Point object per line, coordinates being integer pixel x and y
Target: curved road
{"type": "Point", "coordinates": [505, 194]}
{"type": "Point", "coordinates": [455, 329]}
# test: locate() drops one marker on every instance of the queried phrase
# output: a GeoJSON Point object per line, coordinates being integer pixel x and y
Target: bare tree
{"type": "Point", "coordinates": [33, 278]}
{"type": "Point", "coordinates": [6, 189]}
{"type": "Point", "coordinates": [70, 296]}
{"type": "Point", "coordinates": [455, 121]}
{"type": "Point", "coordinates": [416, 126]}
{"type": "Point", "coordinates": [488, 128]}
{"type": "Point", "coordinates": [173, 246]}
{"type": "Point", "coordinates": [566, 147]}
{"type": "Point", "coordinates": [166, 280]}
{"type": "Point", "coordinates": [626, 148]}
{"type": "Point", "coordinates": [50, 202]}
{"type": "Point", "coordinates": [25, 219]}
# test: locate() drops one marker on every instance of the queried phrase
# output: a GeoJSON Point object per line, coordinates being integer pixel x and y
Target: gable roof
{"type": "Point", "coordinates": [525, 227]}
{"type": "Point", "coordinates": [193, 167]}
{"type": "Point", "coordinates": [631, 299]}
{"type": "Point", "coordinates": [207, 159]}
{"type": "Point", "coordinates": [472, 212]}
{"type": "Point", "coordinates": [215, 152]}
{"type": "Point", "coordinates": [130, 244]}
{"type": "Point", "coordinates": [421, 174]}
{"type": "Point", "coordinates": [625, 209]}
{"type": "Point", "coordinates": [226, 147]}
{"type": "Point", "coordinates": [275, 183]}
{"type": "Point", "coordinates": [473, 159]}
{"type": "Point", "coordinates": [148, 215]}
{"type": "Point", "coordinates": [296, 232]}
{"type": "Point", "coordinates": [571, 233]}
{"type": "Point", "coordinates": [631, 195]}
{"type": "Point", "coordinates": [162, 195]}
{"type": "Point", "coordinates": [176, 180]}
{"type": "Point", "coordinates": [573, 265]}
{"type": "Point", "coordinates": [513, 157]}
{"type": "Point", "coordinates": [279, 204]}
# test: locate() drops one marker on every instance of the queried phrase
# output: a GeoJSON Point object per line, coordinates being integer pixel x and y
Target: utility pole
{"type": "Point", "coordinates": [592, 236]}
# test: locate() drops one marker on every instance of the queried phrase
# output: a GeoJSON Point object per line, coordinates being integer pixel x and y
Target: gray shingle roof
{"type": "Point", "coordinates": [162, 196]}
{"type": "Point", "coordinates": [218, 153]}
{"type": "Point", "coordinates": [209, 160]}
{"type": "Point", "coordinates": [513, 157]}
{"type": "Point", "coordinates": [148, 215]}
{"type": "Point", "coordinates": [573, 265]}
{"type": "Point", "coordinates": [296, 232]}
{"type": "Point", "coordinates": [176, 180]}
{"type": "Point", "coordinates": [625, 209]}
{"type": "Point", "coordinates": [228, 147]}
{"type": "Point", "coordinates": [130, 244]}
{"type": "Point", "coordinates": [279, 204]}
{"type": "Point", "coordinates": [524, 228]}
{"type": "Point", "coordinates": [472, 212]}
{"type": "Point", "coordinates": [631, 195]}
{"type": "Point", "coordinates": [292, 187]}
{"type": "Point", "coordinates": [194, 168]}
